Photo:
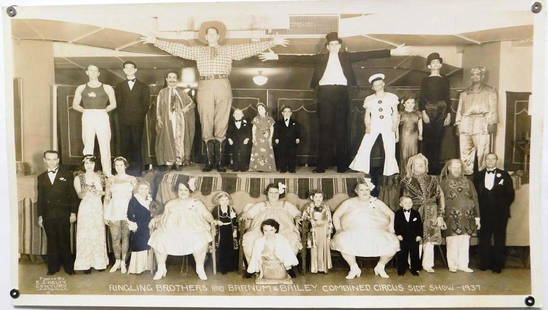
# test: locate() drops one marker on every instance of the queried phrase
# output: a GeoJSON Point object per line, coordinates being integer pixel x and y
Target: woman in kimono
{"type": "Point", "coordinates": [175, 124]}
{"type": "Point", "coordinates": [427, 196]}
{"type": "Point", "coordinates": [272, 257]}
{"type": "Point", "coordinates": [462, 215]}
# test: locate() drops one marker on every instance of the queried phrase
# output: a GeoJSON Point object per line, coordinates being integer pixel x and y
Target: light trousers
{"type": "Point", "coordinates": [96, 123]}
{"type": "Point", "coordinates": [214, 102]}
{"type": "Point", "coordinates": [470, 146]}
{"type": "Point", "coordinates": [427, 255]}
{"type": "Point", "coordinates": [457, 251]}
{"type": "Point", "coordinates": [362, 160]}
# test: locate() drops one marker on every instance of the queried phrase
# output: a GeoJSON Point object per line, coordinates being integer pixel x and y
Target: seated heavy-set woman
{"type": "Point", "coordinates": [272, 257]}
{"type": "Point", "coordinates": [184, 228]}
{"type": "Point", "coordinates": [365, 228]}
{"type": "Point", "coordinates": [283, 212]}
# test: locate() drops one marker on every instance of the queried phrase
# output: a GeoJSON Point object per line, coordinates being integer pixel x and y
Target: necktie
{"type": "Point", "coordinates": [52, 171]}
{"type": "Point", "coordinates": [407, 211]}
{"type": "Point", "coordinates": [173, 99]}
{"type": "Point", "coordinates": [491, 171]}
{"type": "Point", "coordinates": [131, 80]}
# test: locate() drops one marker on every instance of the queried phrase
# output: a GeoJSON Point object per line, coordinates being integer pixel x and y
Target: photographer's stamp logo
{"type": "Point", "coordinates": [51, 284]}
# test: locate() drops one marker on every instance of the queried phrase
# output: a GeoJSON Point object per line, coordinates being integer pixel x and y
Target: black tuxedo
{"type": "Point", "coordinates": [132, 106]}
{"type": "Point", "coordinates": [494, 208]}
{"type": "Point", "coordinates": [240, 151]}
{"type": "Point", "coordinates": [55, 204]}
{"type": "Point", "coordinates": [286, 148]}
{"type": "Point", "coordinates": [333, 105]}
{"type": "Point", "coordinates": [409, 245]}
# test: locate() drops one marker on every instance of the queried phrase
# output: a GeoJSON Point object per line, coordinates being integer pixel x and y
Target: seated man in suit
{"type": "Point", "coordinates": [495, 194]}
{"type": "Point", "coordinates": [287, 136]}
{"type": "Point", "coordinates": [57, 209]}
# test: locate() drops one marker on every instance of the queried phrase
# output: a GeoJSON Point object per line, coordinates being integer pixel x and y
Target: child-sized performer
{"type": "Point", "coordinates": [287, 136]}
{"type": "Point", "coordinates": [408, 228]}
{"type": "Point", "coordinates": [239, 139]}
{"type": "Point", "coordinates": [318, 214]}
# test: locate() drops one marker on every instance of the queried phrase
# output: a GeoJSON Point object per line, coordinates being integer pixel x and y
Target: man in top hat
{"type": "Point", "coordinates": [476, 120]}
{"type": "Point", "coordinates": [332, 77]}
{"type": "Point", "coordinates": [435, 105]}
{"type": "Point", "coordinates": [214, 63]}
{"type": "Point", "coordinates": [133, 99]}
{"type": "Point", "coordinates": [381, 118]}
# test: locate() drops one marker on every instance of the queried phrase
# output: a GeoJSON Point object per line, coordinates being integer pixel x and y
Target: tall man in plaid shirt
{"type": "Point", "coordinates": [215, 93]}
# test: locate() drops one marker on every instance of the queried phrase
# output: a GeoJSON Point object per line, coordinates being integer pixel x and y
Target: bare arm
{"type": "Point", "coordinates": [111, 98]}
{"type": "Point", "coordinates": [77, 100]}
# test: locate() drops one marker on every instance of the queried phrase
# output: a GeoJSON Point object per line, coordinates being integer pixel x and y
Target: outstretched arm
{"type": "Point", "coordinates": [177, 49]}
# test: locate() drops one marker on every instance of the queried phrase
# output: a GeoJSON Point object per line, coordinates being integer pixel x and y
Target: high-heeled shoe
{"type": "Point", "coordinates": [201, 274]}
{"type": "Point", "coordinates": [428, 269]}
{"type": "Point", "coordinates": [379, 271]}
{"type": "Point", "coordinates": [115, 266]}
{"type": "Point", "coordinates": [355, 272]}
{"type": "Point", "coordinates": [160, 273]}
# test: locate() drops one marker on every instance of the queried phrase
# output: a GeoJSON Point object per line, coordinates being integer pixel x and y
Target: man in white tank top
{"type": "Point", "coordinates": [94, 100]}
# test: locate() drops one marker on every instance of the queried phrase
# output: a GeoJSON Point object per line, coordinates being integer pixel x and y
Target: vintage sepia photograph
{"type": "Point", "coordinates": [276, 153]}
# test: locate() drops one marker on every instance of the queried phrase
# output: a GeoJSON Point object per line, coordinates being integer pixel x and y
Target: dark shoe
{"type": "Point", "coordinates": [283, 171]}
{"type": "Point", "coordinates": [342, 170]}
{"type": "Point", "coordinates": [69, 272]}
{"type": "Point", "coordinates": [292, 171]}
{"type": "Point", "coordinates": [210, 152]}
{"type": "Point", "coordinates": [414, 272]}
{"type": "Point", "coordinates": [292, 273]}
{"type": "Point", "coordinates": [247, 275]}
{"type": "Point", "coordinates": [318, 170]}
{"type": "Point", "coordinates": [497, 270]}
{"type": "Point", "coordinates": [219, 156]}
{"type": "Point", "coordinates": [401, 272]}
{"type": "Point", "coordinates": [50, 273]}
{"type": "Point", "coordinates": [87, 271]}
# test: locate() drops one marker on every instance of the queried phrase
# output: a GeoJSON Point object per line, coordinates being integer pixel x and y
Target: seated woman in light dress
{"type": "Point", "coordinates": [365, 228]}
{"type": "Point", "coordinates": [272, 256]}
{"type": "Point", "coordinates": [285, 213]}
{"type": "Point", "coordinates": [184, 228]}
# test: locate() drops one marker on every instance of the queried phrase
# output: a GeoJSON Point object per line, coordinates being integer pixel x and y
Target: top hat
{"type": "Point", "coordinates": [333, 36]}
{"type": "Point", "coordinates": [221, 28]}
{"type": "Point", "coordinates": [433, 56]}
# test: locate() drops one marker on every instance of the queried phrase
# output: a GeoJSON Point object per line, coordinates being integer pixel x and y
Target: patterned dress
{"type": "Point", "coordinates": [425, 192]}
{"type": "Point", "coordinates": [461, 206]}
{"type": "Point", "coordinates": [91, 245]}
{"type": "Point", "coordinates": [262, 153]}
{"type": "Point", "coordinates": [319, 236]}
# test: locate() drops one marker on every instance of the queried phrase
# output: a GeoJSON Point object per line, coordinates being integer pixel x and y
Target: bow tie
{"type": "Point", "coordinates": [132, 80]}
{"type": "Point", "coordinates": [407, 211]}
{"type": "Point", "coordinates": [238, 121]}
{"type": "Point", "coordinates": [52, 171]}
{"type": "Point", "coordinates": [491, 171]}
{"type": "Point", "coordinates": [287, 120]}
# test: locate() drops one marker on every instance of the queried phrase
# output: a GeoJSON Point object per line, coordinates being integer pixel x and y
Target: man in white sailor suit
{"type": "Point", "coordinates": [381, 118]}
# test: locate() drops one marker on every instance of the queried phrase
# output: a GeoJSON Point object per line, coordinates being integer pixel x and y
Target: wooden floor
{"type": "Point", "coordinates": [512, 281]}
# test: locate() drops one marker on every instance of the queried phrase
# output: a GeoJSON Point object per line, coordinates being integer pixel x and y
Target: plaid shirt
{"type": "Point", "coordinates": [208, 64]}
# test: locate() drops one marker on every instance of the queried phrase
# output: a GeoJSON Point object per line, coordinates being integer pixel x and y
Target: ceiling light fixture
{"type": "Point", "coordinates": [260, 79]}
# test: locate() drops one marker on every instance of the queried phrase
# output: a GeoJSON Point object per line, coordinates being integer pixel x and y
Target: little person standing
{"type": "Point", "coordinates": [408, 228]}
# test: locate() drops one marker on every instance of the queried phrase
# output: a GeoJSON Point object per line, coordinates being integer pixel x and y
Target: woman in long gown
{"type": "Point", "coordinates": [91, 245]}
{"type": "Point", "coordinates": [283, 212]}
{"type": "Point", "coordinates": [140, 211]}
{"type": "Point", "coordinates": [175, 124]}
{"type": "Point", "coordinates": [226, 240]}
{"type": "Point", "coordinates": [462, 215]}
{"type": "Point", "coordinates": [427, 196]}
{"type": "Point", "coordinates": [365, 228]}
{"type": "Point", "coordinates": [410, 132]}
{"type": "Point", "coordinates": [262, 153]}
{"type": "Point", "coordinates": [184, 228]}
{"type": "Point", "coordinates": [119, 189]}
{"type": "Point", "coordinates": [272, 256]}
{"type": "Point", "coordinates": [318, 214]}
